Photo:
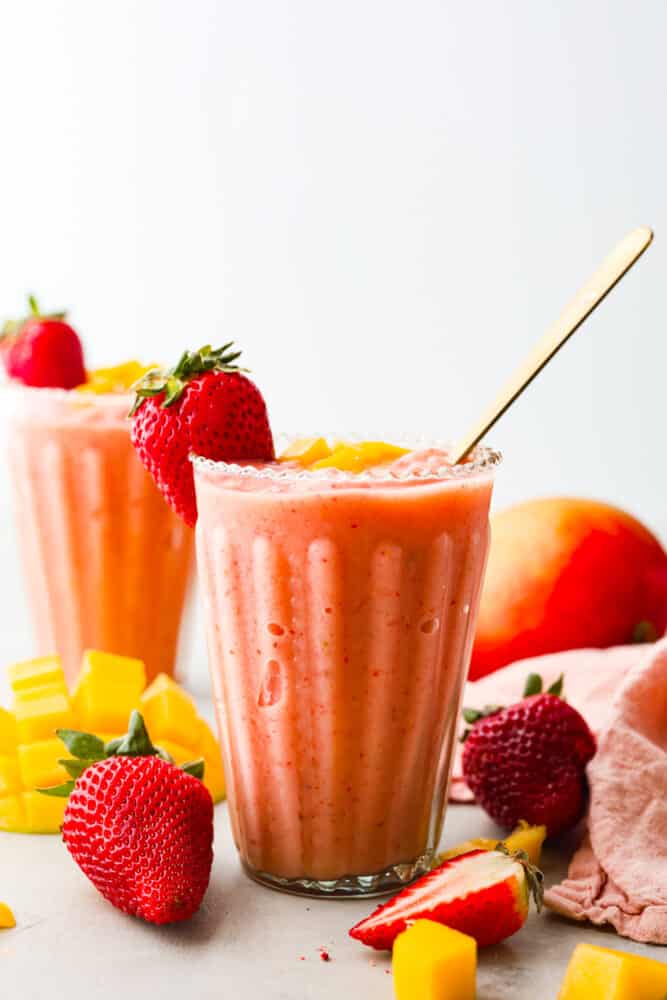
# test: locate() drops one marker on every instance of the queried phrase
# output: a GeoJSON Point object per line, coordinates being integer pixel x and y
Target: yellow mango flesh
{"type": "Point", "coordinates": [6, 917]}
{"type": "Point", "coordinates": [357, 457]}
{"type": "Point", "coordinates": [433, 962]}
{"type": "Point", "coordinates": [612, 975]}
{"type": "Point", "coordinates": [107, 690]}
{"type": "Point", "coordinates": [120, 378]}
{"type": "Point", "coordinates": [306, 451]}
{"type": "Point", "coordinates": [524, 838]}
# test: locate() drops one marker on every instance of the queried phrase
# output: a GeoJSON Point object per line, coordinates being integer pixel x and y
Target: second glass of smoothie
{"type": "Point", "coordinates": [107, 563]}
{"type": "Point", "coordinates": [340, 615]}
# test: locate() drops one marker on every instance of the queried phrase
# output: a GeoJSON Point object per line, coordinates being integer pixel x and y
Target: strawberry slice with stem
{"type": "Point", "coordinates": [485, 894]}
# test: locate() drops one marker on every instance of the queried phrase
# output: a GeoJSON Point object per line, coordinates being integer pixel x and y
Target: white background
{"type": "Point", "coordinates": [383, 202]}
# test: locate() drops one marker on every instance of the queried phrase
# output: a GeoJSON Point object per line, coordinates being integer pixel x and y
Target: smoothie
{"type": "Point", "coordinates": [340, 612]}
{"type": "Point", "coordinates": [107, 564]}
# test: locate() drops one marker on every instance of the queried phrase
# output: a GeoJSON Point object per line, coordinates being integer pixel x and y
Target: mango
{"type": "Point", "coordinates": [525, 838]}
{"type": "Point", "coordinates": [602, 973]}
{"type": "Point", "coordinates": [120, 378]}
{"type": "Point", "coordinates": [306, 451]}
{"type": "Point", "coordinates": [6, 917]}
{"type": "Point", "coordinates": [107, 689]}
{"type": "Point", "coordinates": [433, 962]}
{"type": "Point", "coordinates": [357, 457]}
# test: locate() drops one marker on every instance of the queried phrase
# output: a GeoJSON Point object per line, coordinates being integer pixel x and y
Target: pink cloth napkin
{"type": "Point", "coordinates": [619, 874]}
{"type": "Point", "coordinates": [592, 677]}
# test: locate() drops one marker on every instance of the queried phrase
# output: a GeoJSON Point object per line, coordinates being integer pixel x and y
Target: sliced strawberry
{"type": "Point", "coordinates": [483, 893]}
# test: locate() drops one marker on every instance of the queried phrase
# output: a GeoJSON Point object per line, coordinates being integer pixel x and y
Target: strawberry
{"type": "Point", "coordinates": [43, 350]}
{"type": "Point", "coordinates": [203, 405]}
{"type": "Point", "coordinates": [528, 761]}
{"type": "Point", "coordinates": [139, 827]}
{"type": "Point", "coordinates": [484, 894]}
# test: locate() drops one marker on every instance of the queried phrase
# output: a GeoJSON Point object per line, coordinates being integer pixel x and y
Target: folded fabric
{"type": "Point", "coordinates": [591, 679]}
{"type": "Point", "coordinates": [619, 874]}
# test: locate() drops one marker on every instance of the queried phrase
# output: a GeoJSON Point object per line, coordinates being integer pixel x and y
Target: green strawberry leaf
{"type": "Point", "coordinates": [75, 768]}
{"type": "Point", "coordinates": [533, 685]}
{"type": "Point", "coordinates": [82, 745]}
{"type": "Point", "coordinates": [58, 791]}
{"type": "Point", "coordinates": [472, 715]}
{"type": "Point", "coordinates": [195, 768]}
{"type": "Point", "coordinates": [557, 686]}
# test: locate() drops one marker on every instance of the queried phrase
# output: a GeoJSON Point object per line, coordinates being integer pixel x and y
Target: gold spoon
{"type": "Point", "coordinates": [598, 286]}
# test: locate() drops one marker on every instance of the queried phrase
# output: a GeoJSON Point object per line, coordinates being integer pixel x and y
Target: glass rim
{"type": "Point", "coordinates": [484, 460]}
{"type": "Point", "coordinates": [56, 394]}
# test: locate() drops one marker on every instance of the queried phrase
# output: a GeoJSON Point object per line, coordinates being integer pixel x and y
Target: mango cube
{"type": "Point", "coordinates": [525, 838]}
{"type": "Point", "coordinates": [46, 670]}
{"type": "Point", "coordinates": [12, 813]}
{"type": "Point", "coordinates": [433, 962]}
{"type": "Point", "coordinates": [38, 715]}
{"type": "Point", "coordinates": [8, 735]}
{"type": "Point", "coordinates": [6, 917]}
{"type": "Point", "coordinates": [357, 457]}
{"type": "Point", "coordinates": [107, 690]}
{"type": "Point", "coordinates": [10, 776]}
{"type": "Point", "coordinates": [38, 763]}
{"type": "Point", "coordinates": [43, 813]}
{"type": "Point", "coordinates": [169, 713]}
{"type": "Point", "coordinates": [612, 975]}
{"type": "Point", "coordinates": [306, 451]}
{"type": "Point", "coordinates": [209, 749]}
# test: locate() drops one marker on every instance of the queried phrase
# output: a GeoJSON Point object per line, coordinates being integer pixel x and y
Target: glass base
{"type": "Point", "coordinates": [348, 886]}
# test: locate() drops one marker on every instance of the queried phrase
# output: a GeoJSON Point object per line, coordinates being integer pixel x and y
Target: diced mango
{"type": "Point", "coordinates": [527, 838]}
{"type": "Point", "coordinates": [46, 670]}
{"type": "Point", "coordinates": [169, 713]}
{"type": "Point", "coordinates": [6, 917]}
{"type": "Point", "coordinates": [178, 753]}
{"type": "Point", "coordinates": [33, 694]}
{"type": "Point", "coordinates": [375, 452]}
{"type": "Point", "coordinates": [10, 776]}
{"type": "Point", "coordinates": [346, 458]}
{"type": "Point", "coordinates": [44, 813]}
{"type": "Point", "coordinates": [433, 962]}
{"type": "Point", "coordinates": [107, 690]}
{"type": "Point", "coordinates": [612, 975]}
{"type": "Point", "coordinates": [8, 736]}
{"type": "Point", "coordinates": [209, 749]}
{"type": "Point", "coordinates": [357, 457]}
{"type": "Point", "coordinates": [38, 763]}
{"type": "Point", "coordinates": [37, 718]}
{"type": "Point", "coordinates": [12, 814]}
{"type": "Point", "coordinates": [306, 451]}
{"type": "Point", "coordinates": [120, 378]}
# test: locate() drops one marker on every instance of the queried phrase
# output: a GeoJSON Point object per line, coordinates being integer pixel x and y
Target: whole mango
{"type": "Point", "coordinates": [567, 573]}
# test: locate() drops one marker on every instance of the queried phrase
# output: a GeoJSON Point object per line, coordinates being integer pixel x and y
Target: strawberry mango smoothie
{"type": "Point", "coordinates": [340, 612]}
{"type": "Point", "coordinates": [107, 564]}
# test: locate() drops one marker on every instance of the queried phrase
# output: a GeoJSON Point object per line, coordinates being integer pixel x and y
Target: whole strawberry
{"type": "Point", "coordinates": [528, 761]}
{"type": "Point", "coordinates": [139, 827]}
{"type": "Point", "coordinates": [204, 405]}
{"type": "Point", "coordinates": [485, 894]}
{"type": "Point", "coordinates": [43, 350]}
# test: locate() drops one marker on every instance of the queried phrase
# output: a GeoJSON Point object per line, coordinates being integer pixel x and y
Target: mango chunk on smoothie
{"type": "Point", "coordinates": [306, 451]}
{"type": "Point", "coordinates": [357, 457]}
{"type": "Point", "coordinates": [612, 975]}
{"type": "Point", "coordinates": [7, 918]}
{"type": "Point", "coordinates": [433, 962]}
{"type": "Point", "coordinates": [169, 713]}
{"type": "Point", "coordinates": [107, 690]}
{"type": "Point", "coordinates": [42, 672]}
{"type": "Point", "coordinates": [119, 378]}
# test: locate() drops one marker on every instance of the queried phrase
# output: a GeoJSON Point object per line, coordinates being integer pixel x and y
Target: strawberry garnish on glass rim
{"type": "Point", "coordinates": [485, 894]}
{"type": "Point", "coordinates": [203, 405]}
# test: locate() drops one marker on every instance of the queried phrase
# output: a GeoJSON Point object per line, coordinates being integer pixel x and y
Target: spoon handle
{"type": "Point", "coordinates": [598, 286]}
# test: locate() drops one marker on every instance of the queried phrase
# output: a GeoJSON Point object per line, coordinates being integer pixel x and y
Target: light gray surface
{"type": "Point", "coordinates": [247, 942]}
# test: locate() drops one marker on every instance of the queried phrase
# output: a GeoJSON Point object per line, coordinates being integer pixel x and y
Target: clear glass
{"type": "Point", "coordinates": [107, 564]}
{"type": "Point", "coordinates": [340, 613]}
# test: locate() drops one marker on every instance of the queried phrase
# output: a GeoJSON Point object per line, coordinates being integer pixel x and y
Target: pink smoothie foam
{"type": "Point", "coordinates": [107, 563]}
{"type": "Point", "coordinates": [340, 613]}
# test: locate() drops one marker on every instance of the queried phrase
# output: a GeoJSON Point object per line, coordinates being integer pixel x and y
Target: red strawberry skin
{"type": "Point", "coordinates": [527, 762]}
{"type": "Point", "coordinates": [489, 914]}
{"type": "Point", "coordinates": [141, 829]}
{"type": "Point", "coordinates": [45, 352]}
{"type": "Point", "coordinates": [220, 415]}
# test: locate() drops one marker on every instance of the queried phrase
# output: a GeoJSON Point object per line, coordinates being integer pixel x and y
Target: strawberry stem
{"type": "Point", "coordinates": [172, 383]}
